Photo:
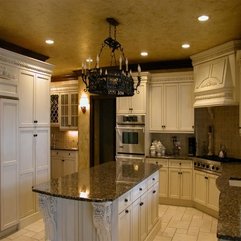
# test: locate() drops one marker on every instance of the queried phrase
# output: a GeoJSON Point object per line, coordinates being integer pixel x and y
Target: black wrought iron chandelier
{"type": "Point", "coordinates": [115, 80]}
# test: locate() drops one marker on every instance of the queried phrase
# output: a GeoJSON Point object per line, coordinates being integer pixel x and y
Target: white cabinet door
{"type": "Point", "coordinates": [42, 156]}
{"type": "Point", "coordinates": [143, 216]}
{"type": "Point", "coordinates": [42, 100]}
{"type": "Point", "coordinates": [156, 107]}
{"type": "Point", "coordinates": [125, 222]}
{"type": "Point", "coordinates": [9, 163]}
{"type": "Point", "coordinates": [163, 182]}
{"type": "Point", "coordinates": [135, 104]}
{"type": "Point", "coordinates": [170, 101]}
{"type": "Point", "coordinates": [185, 107]}
{"type": "Point", "coordinates": [200, 187]}
{"type": "Point", "coordinates": [212, 193]}
{"type": "Point", "coordinates": [186, 184]}
{"type": "Point", "coordinates": [174, 183]}
{"type": "Point", "coordinates": [135, 224]}
{"type": "Point", "coordinates": [26, 98]}
{"type": "Point", "coordinates": [34, 166]}
{"type": "Point", "coordinates": [34, 99]}
{"type": "Point", "coordinates": [26, 171]}
{"type": "Point", "coordinates": [138, 100]}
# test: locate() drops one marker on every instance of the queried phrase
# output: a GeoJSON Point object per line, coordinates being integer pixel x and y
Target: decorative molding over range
{"type": "Point", "coordinates": [21, 61]}
{"type": "Point", "coordinates": [7, 74]}
{"type": "Point", "coordinates": [216, 52]}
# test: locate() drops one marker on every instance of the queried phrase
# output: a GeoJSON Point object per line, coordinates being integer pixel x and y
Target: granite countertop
{"type": "Point", "coordinates": [171, 157]}
{"type": "Point", "coordinates": [97, 184]}
{"type": "Point", "coordinates": [229, 220]}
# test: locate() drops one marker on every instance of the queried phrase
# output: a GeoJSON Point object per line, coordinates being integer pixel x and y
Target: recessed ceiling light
{"type": "Point", "coordinates": [203, 18]}
{"type": "Point", "coordinates": [186, 46]}
{"type": "Point", "coordinates": [49, 41]}
{"type": "Point", "coordinates": [144, 53]}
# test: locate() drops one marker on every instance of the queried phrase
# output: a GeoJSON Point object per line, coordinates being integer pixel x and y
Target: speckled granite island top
{"type": "Point", "coordinates": [229, 221]}
{"type": "Point", "coordinates": [96, 184]}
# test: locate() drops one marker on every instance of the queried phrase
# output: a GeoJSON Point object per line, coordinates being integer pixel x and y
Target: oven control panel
{"type": "Point", "coordinates": [207, 165]}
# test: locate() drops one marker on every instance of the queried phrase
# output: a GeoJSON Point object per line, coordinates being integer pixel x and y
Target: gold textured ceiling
{"type": "Point", "coordinates": [78, 27]}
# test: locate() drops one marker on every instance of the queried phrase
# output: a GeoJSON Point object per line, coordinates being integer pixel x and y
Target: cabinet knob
{"type": "Point", "coordinates": [126, 211]}
{"type": "Point", "coordinates": [62, 160]}
{"type": "Point", "coordinates": [153, 179]}
{"type": "Point", "coordinates": [154, 191]}
{"type": "Point", "coordinates": [35, 135]}
{"type": "Point", "coordinates": [206, 177]}
{"type": "Point", "coordinates": [141, 203]}
{"type": "Point", "coordinates": [140, 189]}
{"type": "Point", "coordinates": [35, 121]}
{"type": "Point", "coordinates": [126, 200]}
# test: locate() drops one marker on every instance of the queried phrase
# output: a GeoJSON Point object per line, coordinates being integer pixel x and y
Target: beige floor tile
{"type": "Point", "coordinates": [206, 237]}
{"type": "Point", "coordinates": [161, 238]}
{"type": "Point", "coordinates": [193, 231]}
{"type": "Point", "coordinates": [169, 232]}
{"type": "Point", "coordinates": [184, 237]}
{"type": "Point", "coordinates": [181, 231]}
{"type": "Point", "coordinates": [39, 235]}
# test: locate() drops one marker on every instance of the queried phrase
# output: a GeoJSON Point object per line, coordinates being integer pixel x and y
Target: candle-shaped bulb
{"type": "Point", "coordinates": [126, 64]}
{"type": "Point", "coordinates": [97, 61]}
{"type": "Point", "coordinates": [100, 71]}
{"type": "Point", "coordinates": [120, 60]}
{"type": "Point", "coordinates": [139, 69]}
{"type": "Point", "coordinates": [82, 68]}
{"type": "Point", "coordinates": [130, 72]}
{"type": "Point", "coordinates": [106, 72]}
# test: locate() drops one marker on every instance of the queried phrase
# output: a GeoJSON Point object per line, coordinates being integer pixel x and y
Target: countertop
{"type": "Point", "coordinates": [229, 221]}
{"type": "Point", "coordinates": [97, 184]}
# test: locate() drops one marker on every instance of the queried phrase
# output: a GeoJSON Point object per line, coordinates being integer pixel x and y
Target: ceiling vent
{"type": "Point", "coordinates": [216, 76]}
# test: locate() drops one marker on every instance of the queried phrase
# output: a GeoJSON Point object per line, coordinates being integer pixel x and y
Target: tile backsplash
{"type": "Point", "coordinates": [63, 139]}
{"type": "Point", "coordinates": [224, 125]}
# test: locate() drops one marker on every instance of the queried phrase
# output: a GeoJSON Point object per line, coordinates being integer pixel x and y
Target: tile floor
{"type": "Point", "coordinates": [178, 224]}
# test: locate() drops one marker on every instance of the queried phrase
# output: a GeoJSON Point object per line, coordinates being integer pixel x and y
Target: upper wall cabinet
{"type": "Point", "coordinates": [135, 104]}
{"type": "Point", "coordinates": [34, 98]}
{"type": "Point", "coordinates": [171, 103]}
{"type": "Point", "coordinates": [215, 76]}
{"type": "Point", "coordinates": [64, 104]}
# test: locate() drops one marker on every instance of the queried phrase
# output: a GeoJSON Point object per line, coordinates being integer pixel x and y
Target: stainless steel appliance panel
{"type": "Point", "coordinates": [130, 139]}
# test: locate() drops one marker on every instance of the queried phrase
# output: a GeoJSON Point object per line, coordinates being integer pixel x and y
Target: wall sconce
{"type": "Point", "coordinates": [84, 103]}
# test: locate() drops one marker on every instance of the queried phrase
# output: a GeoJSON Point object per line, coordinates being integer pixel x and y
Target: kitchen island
{"type": "Point", "coordinates": [98, 204]}
{"type": "Point", "coordinates": [229, 184]}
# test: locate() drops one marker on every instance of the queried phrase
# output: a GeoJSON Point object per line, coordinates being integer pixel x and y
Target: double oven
{"type": "Point", "coordinates": [130, 144]}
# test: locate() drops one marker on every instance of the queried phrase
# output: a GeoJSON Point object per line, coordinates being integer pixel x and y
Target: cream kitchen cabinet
{"type": "Point", "coordinates": [34, 167]}
{"type": "Point", "coordinates": [63, 162]}
{"type": "Point", "coordinates": [64, 104]}
{"type": "Point", "coordinates": [135, 104]}
{"type": "Point", "coordinates": [69, 110]}
{"type": "Point", "coordinates": [205, 191]}
{"type": "Point", "coordinates": [171, 105]}
{"type": "Point", "coordinates": [180, 179]}
{"type": "Point", "coordinates": [163, 175]}
{"type": "Point", "coordinates": [34, 99]}
{"type": "Point", "coordinates": [8, 164]}
{"type": "Point", "coordinates": [138, 210]}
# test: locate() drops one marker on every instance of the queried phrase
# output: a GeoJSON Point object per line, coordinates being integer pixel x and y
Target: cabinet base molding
{"type": "Point", "coordinates": [8, 231]}
{"type": "Point", "coordinates": [189, 203]}
{"type": "Point", "coordinates": [176, 202]}
{"type": "Point", "coordinates": [151, 236]}
{"type": "Point", "coordinates": [29, 220]}
{"type": "Point", "coordinates": [207, 210]}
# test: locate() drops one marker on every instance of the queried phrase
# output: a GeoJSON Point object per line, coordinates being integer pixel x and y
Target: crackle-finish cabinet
{"type": "Point", "coordinates": [171, 103]}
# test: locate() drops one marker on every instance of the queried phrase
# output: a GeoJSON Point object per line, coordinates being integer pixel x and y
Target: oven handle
{"type": "Point", "coordinates": [130, 128]}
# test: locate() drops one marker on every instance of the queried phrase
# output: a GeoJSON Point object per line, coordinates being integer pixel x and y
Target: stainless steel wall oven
{"type": "Point", "coordinates": [130, 134]}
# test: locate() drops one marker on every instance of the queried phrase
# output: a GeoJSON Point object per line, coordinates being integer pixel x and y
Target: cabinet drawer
{"type": "Point", "coordinates": [124, 201]}
{"type": "Point", "coordinates": [159, 161]}
{"type": "Point", "coordinates": [153, 179]}
{"type": "Point", "coordinates": [138, 190]}
{"type": "Point", "coordinates": [63, 154]}
{"type": "Point", "coordinates": [180, 163]}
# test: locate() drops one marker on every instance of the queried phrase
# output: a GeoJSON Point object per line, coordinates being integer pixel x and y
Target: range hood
{"type": "Point", "coordinates": [216, 76]}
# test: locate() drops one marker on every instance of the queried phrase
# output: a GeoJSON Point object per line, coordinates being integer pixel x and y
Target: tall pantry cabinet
{"type": "Point", "coordinates": [34, 136]}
